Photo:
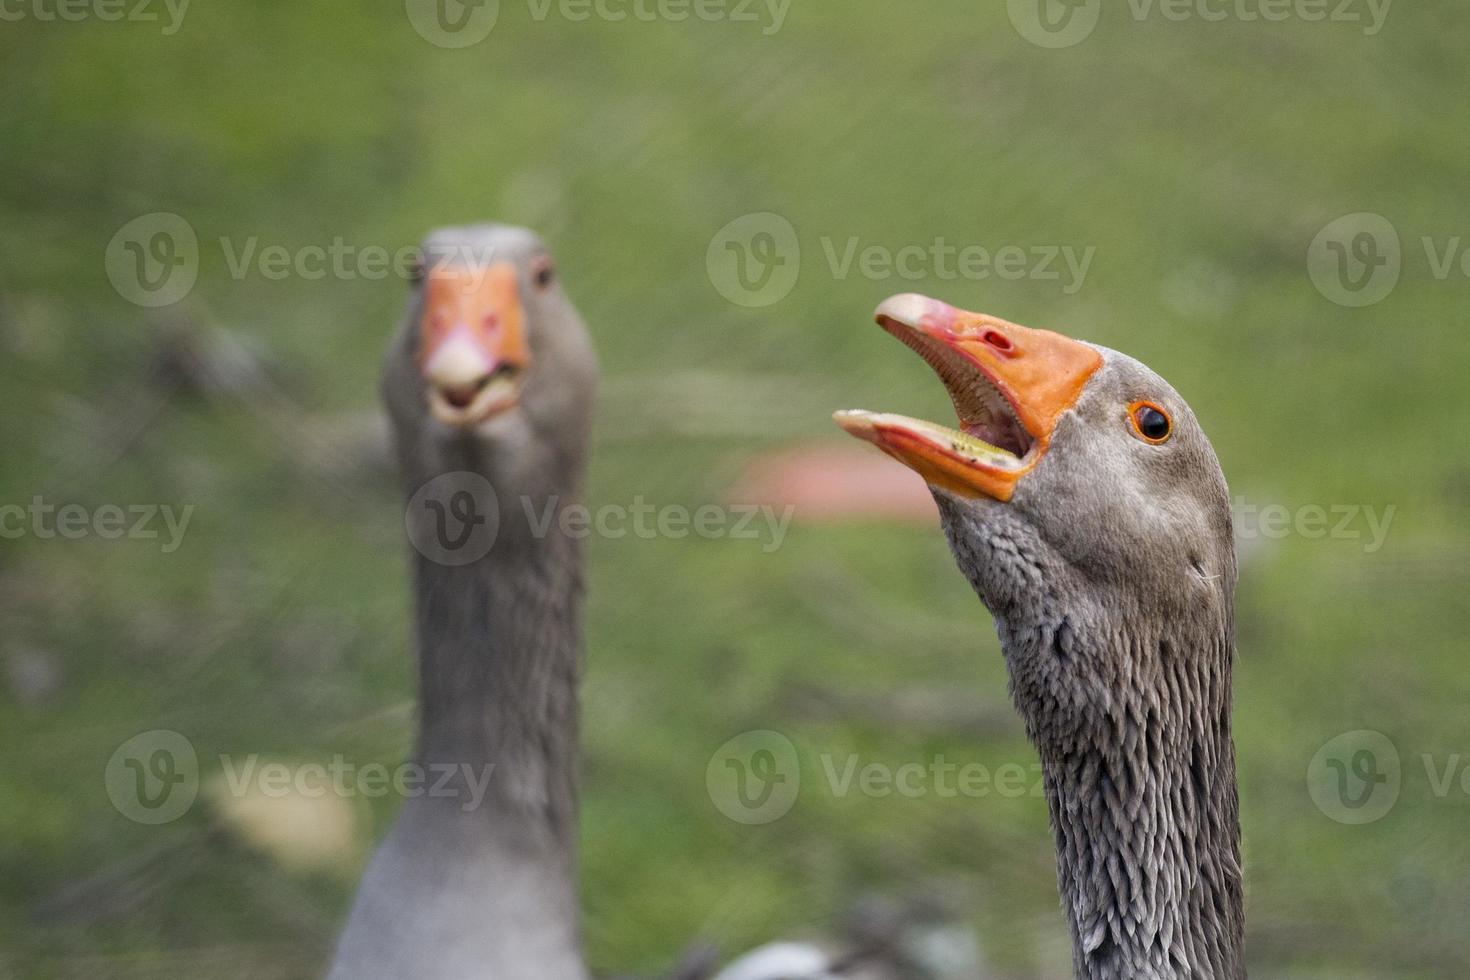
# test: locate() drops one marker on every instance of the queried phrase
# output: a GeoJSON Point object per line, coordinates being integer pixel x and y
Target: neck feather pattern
{"type": "Point", "coordinates": [500, 650]}
{"type": "Point", "coordinates": [1142, 795]}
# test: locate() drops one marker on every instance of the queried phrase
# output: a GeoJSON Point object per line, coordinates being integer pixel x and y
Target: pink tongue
{"type": "Point", "coordinates": [979, 432]}
{"type": "Point", "coordinates": [1001, 433]}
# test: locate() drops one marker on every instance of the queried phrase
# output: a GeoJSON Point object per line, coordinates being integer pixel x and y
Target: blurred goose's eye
{"type": "Point", "coordinates": [416, 270]}
{"type": "Point", "coordinates": [543, 273]}
{"type": "Point", "coordinates": [1150, 422]}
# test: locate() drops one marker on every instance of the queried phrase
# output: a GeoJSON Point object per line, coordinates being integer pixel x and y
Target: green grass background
{"type": "Point", "coordinates": [1200, 159]}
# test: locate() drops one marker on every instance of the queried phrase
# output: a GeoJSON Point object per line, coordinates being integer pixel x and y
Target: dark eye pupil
{"type": "Point", "coordinates": [1153, 423]}
{"type": "Point", "coordinates": [544, 275]}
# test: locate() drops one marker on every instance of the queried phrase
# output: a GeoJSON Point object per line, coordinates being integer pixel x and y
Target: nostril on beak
{"type": "Point", "coordinates": [998, 340]}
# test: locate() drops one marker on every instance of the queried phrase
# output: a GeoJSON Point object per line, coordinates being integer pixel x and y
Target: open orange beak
{"type": "Point", "coordinates": [472, 342]}
{"type": "Point", "coordinates": [1009, 384]}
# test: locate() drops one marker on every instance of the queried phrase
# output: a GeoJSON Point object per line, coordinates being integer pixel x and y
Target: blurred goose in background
{"type": "Point", "coordinates": [489, 386]}
{"type": "Point", "coordinates": [1086, 507]}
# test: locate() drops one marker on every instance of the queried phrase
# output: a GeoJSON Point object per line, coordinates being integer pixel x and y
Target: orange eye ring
{"type": "Point", "coordinates": [1150, 422]}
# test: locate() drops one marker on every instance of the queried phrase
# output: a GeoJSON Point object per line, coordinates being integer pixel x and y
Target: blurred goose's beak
{"type": "Point", "coordinates": [1009, 384]}
{"type": "Point", "coordinates": [472, 343]}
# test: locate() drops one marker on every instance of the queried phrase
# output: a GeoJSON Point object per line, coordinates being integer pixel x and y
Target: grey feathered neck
{"type": "Point", "coordinates": [1129, 707]}
{"type": "Point", "coordinates": [477, 876]}
{"type": "Point", "coordinates": [500, 641]}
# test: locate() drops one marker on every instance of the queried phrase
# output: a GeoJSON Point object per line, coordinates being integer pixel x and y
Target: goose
{"type": "Point", "coordinates": [1087, 509]}
{"type": "Point", "coordinates": [489, 386]}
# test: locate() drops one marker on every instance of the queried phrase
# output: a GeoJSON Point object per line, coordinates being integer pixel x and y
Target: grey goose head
{"type": "Point", "coordinates": [1077, 483]}
{"type": "Point", "coordinates": [1086, 507]}
{"type": "Point", "coordinates": [492, 368]}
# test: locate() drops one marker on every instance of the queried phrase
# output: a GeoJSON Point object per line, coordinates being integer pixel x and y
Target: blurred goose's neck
{"type": "Point", "coordinates": [500, 644]}
{"type": "Point", "coordinates": [499, 664]}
